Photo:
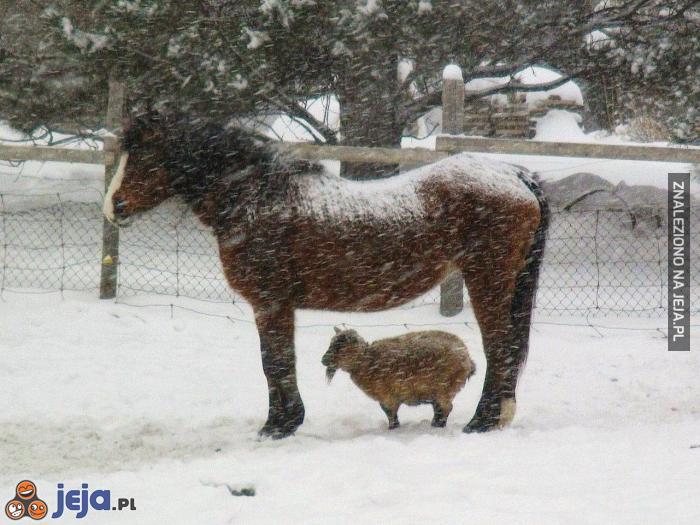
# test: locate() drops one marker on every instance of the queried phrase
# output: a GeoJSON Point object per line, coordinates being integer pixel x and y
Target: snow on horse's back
{"type": "Point", "coordinates": [330, 197]}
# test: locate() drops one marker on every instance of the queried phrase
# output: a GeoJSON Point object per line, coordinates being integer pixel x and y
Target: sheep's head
{"type": "Point", "coordinates": [341, 352]}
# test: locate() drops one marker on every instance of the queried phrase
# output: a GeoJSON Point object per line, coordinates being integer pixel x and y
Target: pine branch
{"type": "Point", "coordinates": [292, 107]}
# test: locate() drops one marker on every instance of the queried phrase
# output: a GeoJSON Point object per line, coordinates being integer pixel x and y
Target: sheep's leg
{"type": "Point", "coordinates": [286, 409]}
{"type": "Point", "coordinates": [392, 414]}
{"type": "Point", "coordinates": [441, 411]}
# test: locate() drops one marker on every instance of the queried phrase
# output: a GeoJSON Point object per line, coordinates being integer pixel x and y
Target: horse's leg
{"type": "Point", "coordinates": [492, 287]}
{"type": "Point", "coordinates": [286, 410]}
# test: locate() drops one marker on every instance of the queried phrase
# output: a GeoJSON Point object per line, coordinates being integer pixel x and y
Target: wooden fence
{"type": "Point", "coordinates": [451, 142]}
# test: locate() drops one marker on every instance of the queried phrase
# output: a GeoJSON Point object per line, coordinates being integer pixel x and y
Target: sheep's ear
{"type": "Point", "coordinates": [337, 330]}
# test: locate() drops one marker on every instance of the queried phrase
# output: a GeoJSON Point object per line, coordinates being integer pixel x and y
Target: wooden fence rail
{"type": "Point", "coordinates": [445, 145]}
{"type": "Point", "coordinates": [46, 153]}
{"type": "Point", "coordinates": [567, 149]}
{"type": "Point", "coordinates": [308, 151]}
{"type": "Point", "coordinates": [453, 121]}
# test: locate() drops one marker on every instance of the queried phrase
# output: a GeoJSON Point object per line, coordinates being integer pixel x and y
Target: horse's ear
{"type": "Point", "coordinates": [337, 330]}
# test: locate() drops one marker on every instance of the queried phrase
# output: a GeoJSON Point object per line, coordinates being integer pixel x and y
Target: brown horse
{"type": "Point", "coordinates": [293, 236]}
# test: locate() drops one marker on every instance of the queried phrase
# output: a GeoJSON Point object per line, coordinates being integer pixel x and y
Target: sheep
{"type": "Point", "coordinates": [419, 367]}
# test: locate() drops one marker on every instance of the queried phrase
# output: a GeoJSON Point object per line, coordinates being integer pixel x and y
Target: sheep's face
{"type": "Point", "coordinates": [341, 352]}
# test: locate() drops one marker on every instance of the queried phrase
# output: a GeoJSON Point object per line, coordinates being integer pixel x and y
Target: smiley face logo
{"type": "Point", "coordinates": [37, 509]}
{"type": "Point", "coordinates": [14, 509]}
{"type": "Point", "coordinates": [26, 490]}
{"type": "Point", "coordinates": [26, 503]}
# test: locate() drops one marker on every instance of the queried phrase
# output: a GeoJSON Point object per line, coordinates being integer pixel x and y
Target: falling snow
{"type": "Point", "coordinates": [161, 398]}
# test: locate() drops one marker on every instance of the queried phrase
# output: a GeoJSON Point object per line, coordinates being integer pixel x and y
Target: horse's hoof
{"type": "Point", "coordinates": [441, 423]}
{"type": "Point", "coordinates": [278, 430]}
{"type": "Point", "coordinates": [497, 416]}
{"type": "Point", "coordinates": [282, 428]}
{"type": "Point", "coordinates": [479, 426]}
{"type": "Point", "coordinates": [275, 432]}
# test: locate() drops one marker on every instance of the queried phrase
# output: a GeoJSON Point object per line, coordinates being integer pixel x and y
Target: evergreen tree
{"type": "Point", "coordinates": [381, 58]}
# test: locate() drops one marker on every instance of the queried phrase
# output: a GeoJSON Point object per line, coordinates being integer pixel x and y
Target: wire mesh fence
{"type": "Point", "coordinates": [597, 262]}
{"type": "Point", "coordinates": [48, 244]}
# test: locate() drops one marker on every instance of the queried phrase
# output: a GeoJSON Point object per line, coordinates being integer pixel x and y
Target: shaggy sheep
{"type": "Point", "coordinates": [419, 367]}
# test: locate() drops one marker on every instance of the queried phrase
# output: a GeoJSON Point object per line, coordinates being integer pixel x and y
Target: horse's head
{"type": "Point", "coordinates": [141, 180]}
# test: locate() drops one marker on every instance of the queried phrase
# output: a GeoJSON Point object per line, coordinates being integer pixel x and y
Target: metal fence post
{"type": "Point", "coordinates": [451, 289]}
{"type": "Point", "coordinates": [110, 233]}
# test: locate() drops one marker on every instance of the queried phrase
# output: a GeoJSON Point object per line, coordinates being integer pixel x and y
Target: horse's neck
{"type": "Point", "coordinates": [206, 202]}
{"type": "Point", "coordinates": [220, 201]}
{"type": "Point", "coordinates": [206, 171]}
{"type": "Point", "coordinates": [245, 194]}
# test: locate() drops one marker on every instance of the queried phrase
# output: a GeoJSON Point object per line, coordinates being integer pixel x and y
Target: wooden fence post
{"type": "Point", "coordinates": [112, 148]}
{"type": "Point", "coordinates": [452, 288]}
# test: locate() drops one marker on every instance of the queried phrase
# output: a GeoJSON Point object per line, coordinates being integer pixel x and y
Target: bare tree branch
{"type": "Point", "coordinates": [293, 108]}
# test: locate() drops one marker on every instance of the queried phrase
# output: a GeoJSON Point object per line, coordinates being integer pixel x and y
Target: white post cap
{"type": "Point", "coordinates": [452, 72]}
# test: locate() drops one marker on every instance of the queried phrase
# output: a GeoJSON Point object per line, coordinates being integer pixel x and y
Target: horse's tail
{"type": "Point", "coordinates": [526, 284]}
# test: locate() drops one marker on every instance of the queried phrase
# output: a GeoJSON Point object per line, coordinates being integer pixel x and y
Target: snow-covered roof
{"type": "Point", "coordinates": [529, 76]}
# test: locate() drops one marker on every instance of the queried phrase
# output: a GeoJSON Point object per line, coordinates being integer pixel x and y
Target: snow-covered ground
{"type": "Point", "coordinates": [163, 405]}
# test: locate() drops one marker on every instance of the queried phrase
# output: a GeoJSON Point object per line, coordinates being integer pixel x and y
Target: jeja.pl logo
{"type": "Point", "coordinates": [26, 503]}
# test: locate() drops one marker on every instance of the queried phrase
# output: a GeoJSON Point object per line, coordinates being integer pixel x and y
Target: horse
{"type": "Point", "coordinates": [293, 236]}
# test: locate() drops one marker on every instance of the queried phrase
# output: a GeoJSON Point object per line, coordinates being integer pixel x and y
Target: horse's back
{"type": "Point", "coordinates": [404, 197]}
